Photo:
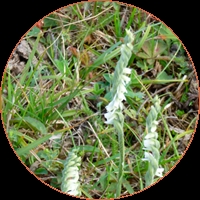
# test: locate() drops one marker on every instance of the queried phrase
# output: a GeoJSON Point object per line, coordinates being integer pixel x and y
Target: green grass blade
{"type": "Point", "coordinates": [140, 44]}
{"type": "Point", "coordinates": [26, 68]}
{"type": "Point", "coordinates": [32, 145]}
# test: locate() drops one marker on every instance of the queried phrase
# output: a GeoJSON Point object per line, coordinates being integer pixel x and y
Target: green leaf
{"type": "Point", "coordinates": [168, 33]}
{"type": "Point", "coordinates": [150, 61]}
{"type": "Point", "coordinates": [159, 48]}
{"type": "Point", "coordinates": [63, 101]}
{"type": "Point", "coordinates": [97, 90]}
{"type": "Point", "coordinates": [34, 32]}
{"type": "Point", "coordinates": [62, 66]}
{"type": "Point", "coordinates": [100, 91]}
{"type": "Point", "coordinates": [134, 80]}
{"type": "Point", "coordinates": [142, 41]}
{"type": "Point", "coordinates": [152, 49]}
{"type": "Point", "coordinates": [96, 87]}
{"type": "Point", "coordinates": [103, 180]}
{"type": "Point", "coordinates": [128, 187]}
{"type": "Point", "coordinates": [33, 145]}
{"type": "Point", "coordinates": [13, 132]}
{"type": "Point", "coordinates": [108, 96]}
{"type": "Point", "coordinates": [148, 47]}
{"type": "Point", "coordinates": [32, 123]}
{"type": "Point", "coordinates": [116, 6]}
{"type": "Point", "coordinates": [137, 95]}
{"type": "Point", "coordinates": [72, 112]}
{"type": "Point", "coordinates": [142, 65]}
{"type": "Point", "coordinates": [48, 154]}
{"type": "Point", "coordinates": [108, 77]}
{"type": "Point", "coordinates": [163, 76]}
{"type": "Point", "coordinates": [110, 53]}
{"type": "Point", "coordinates": [143, 55]}
{"type": "Point", "coordinates": [180, 113]}
{"type": "Point", "coordinates": [49, 22]}
{"type": "Point", "coordinates": [40, 171]}
{"type": "Point", "coordinates": [87, 148]}
{"type": "Point", "coordinates": [86, 6]}
{"type": "Point", "coordinates": [28, 64]}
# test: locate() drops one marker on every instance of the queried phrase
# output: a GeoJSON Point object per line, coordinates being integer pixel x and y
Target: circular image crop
{"type": "Point", "coordinates": [100, 100]}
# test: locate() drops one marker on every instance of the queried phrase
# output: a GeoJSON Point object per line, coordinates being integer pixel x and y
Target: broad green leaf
{"type": "Point", "coordinates": [148, 47]}
{"type": "Point", "coordinates": [159, 48]}
{"type": "Point", "coordinates": [49, 21]}
{"type": "Point", "coordinates": [33, 32]}
{"type": "Point", "coordinates": [108, 77]}
{"type": "Point", "coordinates": [143, 55]}
{"type": "Point", "coordinates": [152, 49]}
{"type": "Point", "coordinates": [86, 6]}
{"type": "Point", "coordinates": [108, 96]}
{"type": "Point", "coordinates": [32, 123]}
{"type": "Point", "coordinates": [106, 3]}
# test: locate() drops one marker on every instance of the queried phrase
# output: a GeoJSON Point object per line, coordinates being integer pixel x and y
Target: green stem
{"type": "Point", "coordinates": [118, 124]}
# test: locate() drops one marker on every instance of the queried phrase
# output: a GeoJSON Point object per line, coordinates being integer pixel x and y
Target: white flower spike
{"type": "Point", "coordinates": [114, 109]}
{"type": "Point", "coordinates": [152, 145]}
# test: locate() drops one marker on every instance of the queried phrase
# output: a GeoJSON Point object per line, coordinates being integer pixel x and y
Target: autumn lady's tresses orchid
{"type": "Point", "coordinates": [120, 80]}
{"type": "Point", "coordinates": [152, 145]}
{"type": "Point", "coordinates": [70, 179]}
{"type": "Point", "coordinates": [114, 109]}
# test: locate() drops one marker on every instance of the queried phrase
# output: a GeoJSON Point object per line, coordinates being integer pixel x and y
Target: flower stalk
{"type": "Point", "coordinates": [114, 109]}
{"type": "Point", "coordinates": [152, 145]}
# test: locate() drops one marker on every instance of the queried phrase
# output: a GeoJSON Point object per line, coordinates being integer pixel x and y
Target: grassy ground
{"type": "Point", "coordinates": [54, 95]}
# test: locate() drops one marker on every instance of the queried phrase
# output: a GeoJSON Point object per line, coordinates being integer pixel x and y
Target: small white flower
{"type": "Point", "coordinates": [129, 45]}
{"type": "Point", "coordinates": [127, 70]}
{"type": "Point", "coordinates": [151, 143]}
{"type": "Point", "coordinates": [125, 79]}
{"type": "Point", "coordinates": [110, 116]}
{"type": "Point", "coordinates": [147, 156]}
{"type": "Point", "coordinates": [115, 104]}
{"type": "Point", "coordinates": [151, 135]}
{"type": "Point", "coordinates": [167, 106]}
{"type": "Point", "coordinates": [154, 126]}
{"type": "Point", "coordinates": [120, 96]}
{"type": "Point", "coordinates": [159, 172]}
{"type": "Point", "coordinates": [147, 144]}
{"type": "Point", "coordinates": [121, 90]}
